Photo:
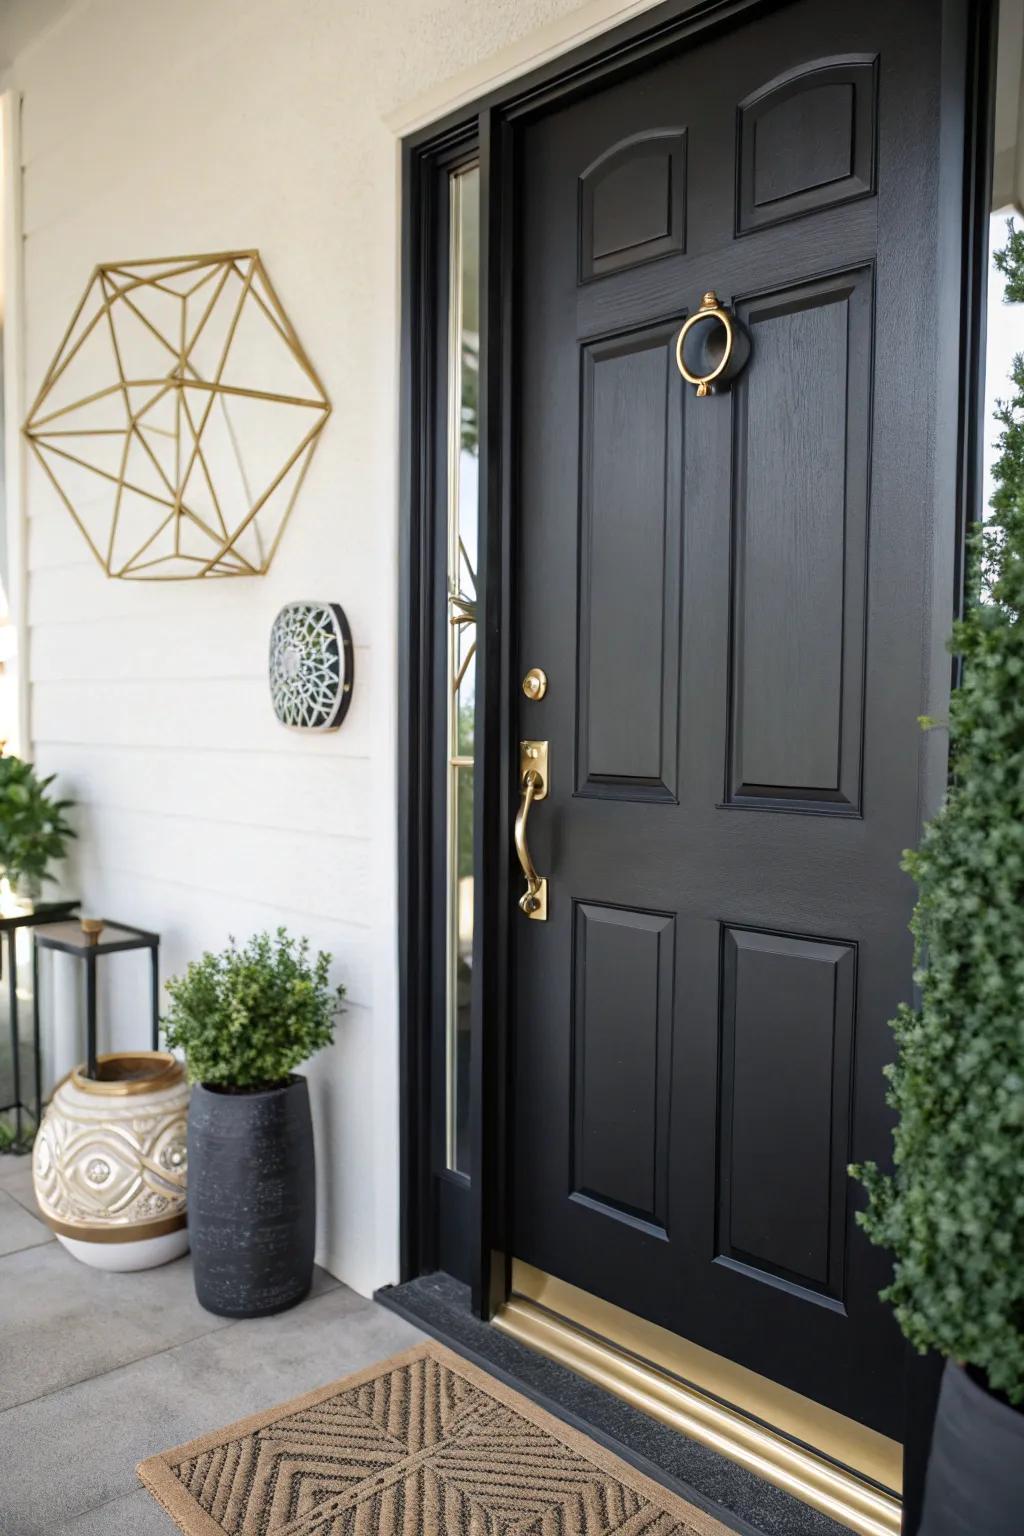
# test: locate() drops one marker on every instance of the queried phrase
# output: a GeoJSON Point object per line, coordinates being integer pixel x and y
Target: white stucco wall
{"type": "Point", "coordinates": [155, 128]}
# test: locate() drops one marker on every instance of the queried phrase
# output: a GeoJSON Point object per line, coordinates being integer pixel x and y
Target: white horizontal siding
{"type": "Point", "coordinates": [302, 871]}
{"type": "Point", "coordinates": [156, 130]}
{"type": "Point", "coordinates": [67, 583]}
{"type": "Point", "coordinates": [186, 914]}
{"type": "Point", "coordinates": [214, 712]}
{"type": "Point", "coordinates": [303, 792]}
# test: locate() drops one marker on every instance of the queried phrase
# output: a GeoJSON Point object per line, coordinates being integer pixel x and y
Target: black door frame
{"type": "Point", "coordinates": [488, 129]}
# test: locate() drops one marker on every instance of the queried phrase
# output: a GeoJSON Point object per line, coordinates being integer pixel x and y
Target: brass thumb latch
{"type": "Point", "coordinates": [533, 785]}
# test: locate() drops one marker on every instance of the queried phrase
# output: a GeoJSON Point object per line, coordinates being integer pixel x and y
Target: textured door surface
{"type": "Point", "coordinates": [730, 598]}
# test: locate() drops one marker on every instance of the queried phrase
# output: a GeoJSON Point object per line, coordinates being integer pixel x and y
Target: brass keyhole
{"type": "Point", "coordinates": [535, 683]}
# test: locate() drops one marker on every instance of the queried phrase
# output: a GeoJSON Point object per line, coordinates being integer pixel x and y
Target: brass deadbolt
{"type": "Point", "coordinates": [535, 683]}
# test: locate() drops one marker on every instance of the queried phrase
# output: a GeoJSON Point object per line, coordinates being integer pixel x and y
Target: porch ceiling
{"type": "Point", "coordinates": [22, 21]}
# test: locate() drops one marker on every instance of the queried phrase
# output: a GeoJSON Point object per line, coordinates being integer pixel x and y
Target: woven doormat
{"type": "Point", "coordinates": [421, 1443]}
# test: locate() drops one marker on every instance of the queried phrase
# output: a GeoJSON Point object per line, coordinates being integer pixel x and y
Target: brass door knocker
{"type": "Point", "coordinates": [716, 343]}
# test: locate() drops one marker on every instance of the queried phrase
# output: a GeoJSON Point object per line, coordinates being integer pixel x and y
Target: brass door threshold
{"type": "Point", "coordinates": [846, 1471]}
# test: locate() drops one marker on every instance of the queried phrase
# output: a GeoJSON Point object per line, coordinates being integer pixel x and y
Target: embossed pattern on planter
{"type": "Point", "coordinates": [106, 1161]}
{"type": "Point", "coordinates": [252, 1214]}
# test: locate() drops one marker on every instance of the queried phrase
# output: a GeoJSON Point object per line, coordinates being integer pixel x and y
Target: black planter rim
{"type": "Point", "coordinates": [974, 1384]}
{"type": "Point", "coordinates": [225, 1091]}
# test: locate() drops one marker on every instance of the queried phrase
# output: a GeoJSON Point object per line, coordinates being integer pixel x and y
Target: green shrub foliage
{"type": "Point", "coordinates": [33, 829]}
{"type": "Point", "coordinates": [246, 1018]}
{"type": "Point", "coordinates": [953, 1212]}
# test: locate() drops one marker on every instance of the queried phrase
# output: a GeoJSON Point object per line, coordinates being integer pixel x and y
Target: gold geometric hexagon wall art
{"type": "Point", "coordinates": [178, 419]}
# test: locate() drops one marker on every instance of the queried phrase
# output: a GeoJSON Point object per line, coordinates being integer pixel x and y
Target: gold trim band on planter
{"type": "Point", "coordinates": [136, 1233]}
{"type": "Point", "coordinates": [639, 1362]}
{"type": "Point", "coordinates": [165, 1070]}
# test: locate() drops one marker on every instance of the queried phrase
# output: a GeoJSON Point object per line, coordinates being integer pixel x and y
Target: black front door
{"type": "Point", "coordinates": [730, 597]}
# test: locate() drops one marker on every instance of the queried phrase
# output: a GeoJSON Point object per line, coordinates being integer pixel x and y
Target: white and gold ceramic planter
{"type": "Point", "coordinates": [110, 1160]}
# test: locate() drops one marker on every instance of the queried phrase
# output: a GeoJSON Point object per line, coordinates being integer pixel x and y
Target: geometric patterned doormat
{"type": "Point", "coordinates": [421, 1443]}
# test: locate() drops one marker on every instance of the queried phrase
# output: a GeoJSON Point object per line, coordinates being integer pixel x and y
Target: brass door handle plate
{"type": "Point", "coordinates": [712, 346]}
{"type": "Point", "coordinates": [533, 786]}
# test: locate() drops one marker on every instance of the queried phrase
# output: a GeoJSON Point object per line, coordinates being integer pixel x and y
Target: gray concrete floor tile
{"type": "Point", "coordinates": [16, 1180]}
{"type": "Point", "coordinates": [136, 1515]}
{"type": "Point", "coordinates": [75, 1449]}
{"type": "Point", "coordinates": [64, 1322]}
{"type": "Point", "coordinates": [10, 1163]}
{"type": "Point", "coordinates": [17, 1228]}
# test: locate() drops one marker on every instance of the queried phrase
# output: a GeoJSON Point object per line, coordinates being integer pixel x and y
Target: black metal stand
{"type": "Point", "coordinates": [69, 938]}
{"type": "Point", "coordinates": [45, 913]}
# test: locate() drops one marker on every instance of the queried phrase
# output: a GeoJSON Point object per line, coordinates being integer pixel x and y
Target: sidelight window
{"type": "Point", "coordinates": [462, 580]}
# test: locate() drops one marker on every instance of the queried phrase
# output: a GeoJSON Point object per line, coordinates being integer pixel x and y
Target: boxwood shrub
{"type": "Point", "coordinates": [953, 1210]}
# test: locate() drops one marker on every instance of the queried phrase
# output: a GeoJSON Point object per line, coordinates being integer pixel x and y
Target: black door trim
{"type": "Point", "coordinates": [491, 125]}
{"type": "Point", "coordinates": [421, 458]}
{"type": "Point", "coordinates": [978, 49]}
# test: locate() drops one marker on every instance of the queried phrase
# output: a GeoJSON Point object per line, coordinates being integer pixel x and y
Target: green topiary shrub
{"type": "Point", "coordinates": [33, 831]}
{"type": "Point", "coordinates": [953, 1212]}
{"type": "Point", "coordinates": [246, 1018]}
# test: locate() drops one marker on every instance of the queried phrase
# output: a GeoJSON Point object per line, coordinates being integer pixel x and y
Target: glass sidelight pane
{"type": "Point", "coordinates": [463, 521]}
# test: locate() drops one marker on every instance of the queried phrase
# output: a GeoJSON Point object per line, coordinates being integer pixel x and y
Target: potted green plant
{"type": "Point", "coordinates": [952, 1212]}
{"type": "Point", "coordinates": [245, 1019]}
{"type": "Point", "coordinates": [33, 829]}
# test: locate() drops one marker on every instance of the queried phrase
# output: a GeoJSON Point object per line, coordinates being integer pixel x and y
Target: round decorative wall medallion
{"type": "Point", "coordinates": [311, 666]}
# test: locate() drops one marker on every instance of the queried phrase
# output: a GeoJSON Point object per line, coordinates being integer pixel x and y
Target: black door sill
{"type": "Point", "coordinates": [441, 1307]}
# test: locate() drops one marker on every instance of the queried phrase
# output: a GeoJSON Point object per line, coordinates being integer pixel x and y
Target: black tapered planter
{"type": "Point", "coordinates": [251, 1198]}
{"type": "Point", "coordinates": [975, 1480]}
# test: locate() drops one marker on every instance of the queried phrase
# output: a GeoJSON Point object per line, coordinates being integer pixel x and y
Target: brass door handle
{"type": "Point", "coordinates": [720, 360]}
{"type": "Point", "coordinates": [533, 785]}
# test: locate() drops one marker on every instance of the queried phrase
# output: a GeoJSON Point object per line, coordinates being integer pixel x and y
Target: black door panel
{"type": "Point", "coordinates": [730, 598]}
